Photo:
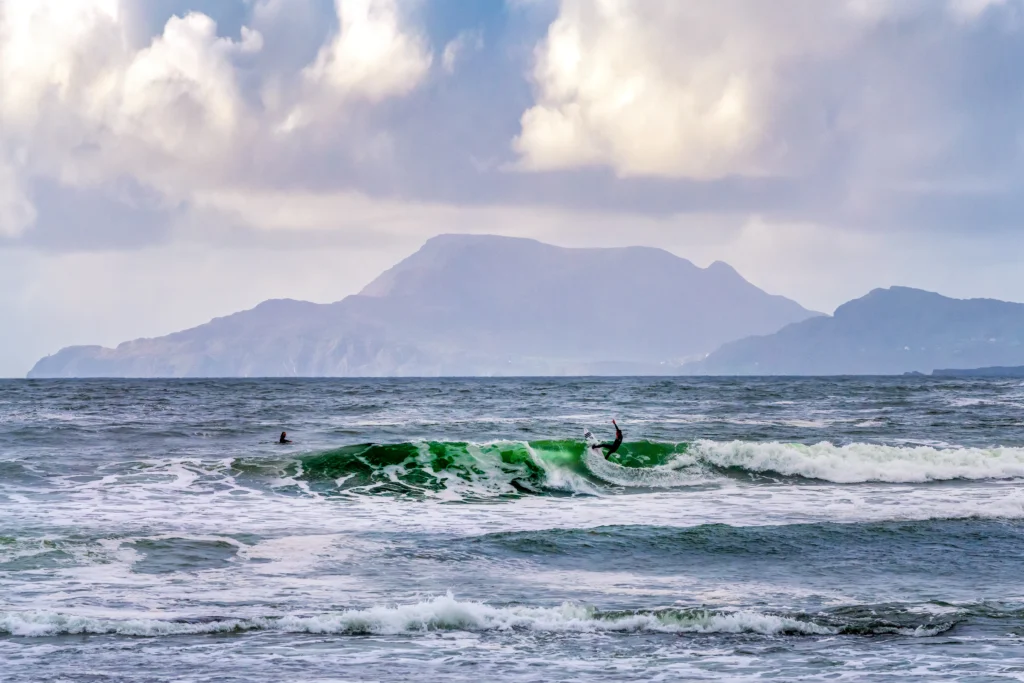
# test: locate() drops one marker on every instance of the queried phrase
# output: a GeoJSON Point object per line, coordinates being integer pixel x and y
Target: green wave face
{"type": "Point", "coordinates": [513, 468]}
{"type": "Point", "coordinates": [505, 468]}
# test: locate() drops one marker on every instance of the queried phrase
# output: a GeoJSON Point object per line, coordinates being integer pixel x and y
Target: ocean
{"type": "Point", "coordinates": [458, 530]}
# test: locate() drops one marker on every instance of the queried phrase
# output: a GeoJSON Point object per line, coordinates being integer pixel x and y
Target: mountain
{"type": "Point", "coordinates": [889, 331]}
{"type": "Point", "coordinates": [470, 305]}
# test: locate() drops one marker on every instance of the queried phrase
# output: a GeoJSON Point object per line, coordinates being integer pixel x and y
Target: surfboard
{"type": "Point", "coordinates": [591, 441]}
{"type": "Point", "coordinates": [595, 461]}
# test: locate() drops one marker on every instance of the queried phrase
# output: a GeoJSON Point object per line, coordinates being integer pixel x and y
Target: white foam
{"type": "Point", "coordinates": [443, 613]}
{"type": "Point", "coordinates": [681, 470]}
{"type": "Point", "coordinates": [856, 463]}
{"type": "Point", "coordinates": [560, 478]}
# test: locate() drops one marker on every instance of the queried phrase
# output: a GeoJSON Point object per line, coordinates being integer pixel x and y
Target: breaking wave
{"type": "Point", "coordinates": [445, 613]}
{"type": "Point", "coordinates": [515, 468]}
{"type": "Point", "coordinates": [467, 470]}
{"type": "Point", "coordinates": [510, 469]}
{"type": "Point", "coordinates": [859, 462]}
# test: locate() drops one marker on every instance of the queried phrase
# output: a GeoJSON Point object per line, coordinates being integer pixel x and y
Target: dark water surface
{"type": "Point", "coordinates": [459, 530]}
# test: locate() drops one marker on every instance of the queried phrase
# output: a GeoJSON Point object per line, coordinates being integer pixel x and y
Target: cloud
{"type": "Point", "coordinates": [67, 68]}
{"type": "Point", "coordinates": [86, 108]}
{"type": "Point", "coordinates": [17, 213]}
{"type": "Point", "coordinates": [665, 88]}
{"type": "Point", "coordinates": [374, 55]}
{"type": "Point", "coordinates": [655, 106]}
{"type": "Point", "coordinates": [457, 48]}
{"type": "Point", "coordinates": [706, 91]}
{"type": "Point", "coordinates": [972, 9]}
{"type": "Point", "coordinates": [180, 95]}
{"type": "Point", "coordinates": [185, 111]}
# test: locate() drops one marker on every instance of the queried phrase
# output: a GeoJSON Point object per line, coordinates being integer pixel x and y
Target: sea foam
{"type": "Point", "coordinates": [859, 462]}
{"type": "Point", "coordinates": [442, 613]}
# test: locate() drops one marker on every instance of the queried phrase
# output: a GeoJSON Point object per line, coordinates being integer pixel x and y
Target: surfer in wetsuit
{"type": "Point", "coordinates": [613, 446]}
{"type": "Point", "coordinates": [283, 439]}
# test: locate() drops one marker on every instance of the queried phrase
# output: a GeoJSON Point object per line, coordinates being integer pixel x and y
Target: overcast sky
{"type": "Point", "coordinates": [166, 161]}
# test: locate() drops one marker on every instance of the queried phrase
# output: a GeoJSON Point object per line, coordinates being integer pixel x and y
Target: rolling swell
{"type": "Point", "coordinates": [551, 467]}
{"type": "Point", "coordinates": [915, 556]}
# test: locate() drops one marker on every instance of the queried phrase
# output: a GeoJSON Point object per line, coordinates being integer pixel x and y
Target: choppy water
{"type": "Point", "coordinates": [859, 529]}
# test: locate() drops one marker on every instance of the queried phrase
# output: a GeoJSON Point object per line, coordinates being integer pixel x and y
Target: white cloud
{"type": "Point", "coordinates": [81, 104]}
{"type": "Point", "coordinates": [374, 55]}
{"type": "Point", "coordinates": [176, 117]}
{"type": "Point", "coordinates": [665, 88]}
{"type": "Point", "coordinates": [457, 48]}
{"type": "Point", "coordinates": [56, 53]}
{"type": "Point", "coordinates": [737, 87]}
{"type": "Point", "coordinates": [86, 109]}
{"type": "Point", "coordinates": [181, 94]}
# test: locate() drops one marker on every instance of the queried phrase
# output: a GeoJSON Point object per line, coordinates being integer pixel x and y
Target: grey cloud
{"type": "Point", "coordinates": [125, 216]}
{"type": "Point", "coordinates": [921, 97]}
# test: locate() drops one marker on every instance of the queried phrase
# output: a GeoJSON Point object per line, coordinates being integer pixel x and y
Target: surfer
{"type": "Point", "coordinates": [613, 446]}
{"type": "Point", "coordinates": [283, 439]}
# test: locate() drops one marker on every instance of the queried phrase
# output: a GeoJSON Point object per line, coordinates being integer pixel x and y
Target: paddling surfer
{"type": "Point", "coordinates": [613, 446]}
{"type": "Point", "coordinates": [283, 439]}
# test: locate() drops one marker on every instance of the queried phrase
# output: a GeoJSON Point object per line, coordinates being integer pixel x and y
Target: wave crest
{"type": "Point", "coordinates": [510, 469]}
{"type": "Point", "coordinates": [445, 613]}
{"type": "Point", "coordinates": [859, 462]}
{"type": "Point", "coordinates": [569, 466]}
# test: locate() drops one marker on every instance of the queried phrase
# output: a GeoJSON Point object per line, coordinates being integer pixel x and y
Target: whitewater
{"type": "Point", "coordinates": [461, 529]}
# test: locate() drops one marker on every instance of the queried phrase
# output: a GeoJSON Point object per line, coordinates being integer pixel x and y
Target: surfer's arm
{"type": "Point", "coordinates": [618, 435]}
{"type": "Point", "coordinates": [614, 446]}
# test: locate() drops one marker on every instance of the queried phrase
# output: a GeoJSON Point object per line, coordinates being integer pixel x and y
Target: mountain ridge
{"type": "Point", "coordinates": [890, 330]}
{"type": "Point", "coordinates": [469, 305]}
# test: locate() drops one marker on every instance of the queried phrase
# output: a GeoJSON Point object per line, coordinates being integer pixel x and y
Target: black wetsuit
{"type": "Point", "coordinates": [612, 447]}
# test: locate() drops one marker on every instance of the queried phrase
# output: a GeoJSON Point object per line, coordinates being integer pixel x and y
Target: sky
{"type": "Point", "coordinates": [163, 162]}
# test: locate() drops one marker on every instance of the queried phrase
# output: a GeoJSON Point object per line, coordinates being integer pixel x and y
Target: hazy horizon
{"type": "Point", "coordinates": [166, 162]}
